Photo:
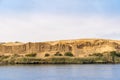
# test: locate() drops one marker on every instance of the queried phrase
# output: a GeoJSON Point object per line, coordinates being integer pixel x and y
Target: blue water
{"type": "Point", "coordinates": [60, 72]}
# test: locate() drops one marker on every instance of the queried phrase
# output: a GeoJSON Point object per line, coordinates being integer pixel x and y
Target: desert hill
{"type": "Point", "coordinates": [79, 47]}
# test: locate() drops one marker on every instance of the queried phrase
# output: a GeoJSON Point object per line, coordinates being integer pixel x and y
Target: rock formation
{"type": "Point", "coordinates": [79, 48]}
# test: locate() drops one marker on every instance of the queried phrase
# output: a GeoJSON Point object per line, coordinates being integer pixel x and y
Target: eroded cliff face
{"type": "Point", "coordinates": [80, 48]}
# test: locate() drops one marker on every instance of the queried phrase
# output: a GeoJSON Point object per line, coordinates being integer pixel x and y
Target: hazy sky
{"type": "Point", "coordinates": [45, 20]}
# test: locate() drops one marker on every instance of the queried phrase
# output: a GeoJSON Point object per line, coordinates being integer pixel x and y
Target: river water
{"type": "Point", "coordinates": [60, 72]}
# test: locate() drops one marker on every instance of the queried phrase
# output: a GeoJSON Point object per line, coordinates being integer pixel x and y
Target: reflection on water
{"type": "Point", "coordinates": [60, 72]}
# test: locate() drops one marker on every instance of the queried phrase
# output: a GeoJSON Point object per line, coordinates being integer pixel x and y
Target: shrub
{"type": "Point", "coordinates": [113, 54]}
{"type": "Point", "coordinates": [46, 55]}
{"type": "Point", "coordinates": [97, 54]}
{"type": "Point", "coordinates": [59, 60]}
{"type": "Point", "coordinates": [68, 54]}
{"type": "Point", "coordinates": [118, 54]}
{"type": "Point", "coordinates": [58, 54]}
{"type": "Point", "coordinates": [31, 55]}
{"type": "Point", "coordinates": [16, 55]}
{"type": "Point", "coordinates": [4, 57]}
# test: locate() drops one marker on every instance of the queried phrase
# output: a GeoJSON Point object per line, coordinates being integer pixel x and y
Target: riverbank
{"type": "Point", "coordinates": [81, 51]}
{"type": "Point", "coordinates": [57, 60]}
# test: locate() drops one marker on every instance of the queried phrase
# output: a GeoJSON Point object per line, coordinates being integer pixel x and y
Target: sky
{"type": "Point", "coordinates": [48, 20]}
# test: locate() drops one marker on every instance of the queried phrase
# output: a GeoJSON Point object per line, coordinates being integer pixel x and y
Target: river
{"type": "Point", "coordinates": [60, 72]}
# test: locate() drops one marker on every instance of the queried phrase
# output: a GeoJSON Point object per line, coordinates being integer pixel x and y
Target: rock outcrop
{"type": "Point", "coordinates": [79, 48]}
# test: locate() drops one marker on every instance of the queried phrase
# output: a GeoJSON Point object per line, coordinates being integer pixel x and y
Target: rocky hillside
{"type": "Point", "coordinates": [80, 48]}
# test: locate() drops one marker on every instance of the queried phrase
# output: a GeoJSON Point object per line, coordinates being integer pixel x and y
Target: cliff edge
{"type": "Point", "coordinates": [79, 48]}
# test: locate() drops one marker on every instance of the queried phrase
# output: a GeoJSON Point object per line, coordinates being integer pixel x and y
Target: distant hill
{"type": "Point", "coordinates": [79, 48]}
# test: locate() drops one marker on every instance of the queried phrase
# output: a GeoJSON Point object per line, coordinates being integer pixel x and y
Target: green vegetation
{"type": "Point", "coordinates": [68, 54]}
{"type": "Point", "coordinates": [58, 58]}
{"type": "Point", "coordinates": [97, 54]}
{"type": "Point", "coordinates": [47, 55]}
{"type": "Point", "coordinates": [109, 57]}
{"type": "Point", "coordinates": [113, 54]}
{"type": "Point", "coordinates": [31, 55]}
{"type": "Point", "coordinates": [3, 57]}
{"type": "Point", "coordinates": [57, 54]}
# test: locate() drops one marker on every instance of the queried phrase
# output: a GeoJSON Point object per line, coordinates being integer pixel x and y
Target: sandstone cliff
{"type": "Point", "coordinates": [80, 48]}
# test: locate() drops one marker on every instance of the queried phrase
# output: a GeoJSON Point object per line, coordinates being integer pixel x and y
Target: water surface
{"type": "Point", "coordinates": [60, 72]}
